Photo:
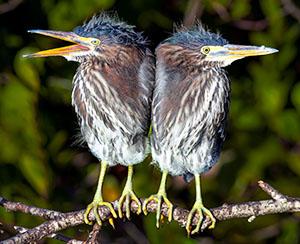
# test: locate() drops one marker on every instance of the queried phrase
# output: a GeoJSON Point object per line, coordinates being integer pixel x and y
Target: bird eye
{"type": "Point", "coordinates": [95, 42]}
{"type": "Point", "coordinates": [205, 50]}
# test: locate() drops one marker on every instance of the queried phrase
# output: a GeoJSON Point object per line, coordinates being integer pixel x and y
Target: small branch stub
{"type": "Point", "coordinates": [276, 195]}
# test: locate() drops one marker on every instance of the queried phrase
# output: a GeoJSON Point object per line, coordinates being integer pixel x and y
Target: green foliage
{"type": "Point", "coordinates": [21, 138]}
{"type": "Point", "coordinates": [42, 164]}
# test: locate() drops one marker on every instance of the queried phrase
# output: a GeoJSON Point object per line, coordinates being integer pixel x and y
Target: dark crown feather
{"type": "Point", "coordinates": [112, 29]}
{"type": "Point", "coordinates": [195, 36]}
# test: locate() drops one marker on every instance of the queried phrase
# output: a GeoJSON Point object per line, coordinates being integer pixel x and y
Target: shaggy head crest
{"type": "Point", "coordinates": [195, 37]}
{"type": "Point", "coordinates": [111, 29]}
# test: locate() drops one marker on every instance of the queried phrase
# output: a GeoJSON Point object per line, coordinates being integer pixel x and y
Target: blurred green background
{"type": "Point", "coordinates": [41, 164]}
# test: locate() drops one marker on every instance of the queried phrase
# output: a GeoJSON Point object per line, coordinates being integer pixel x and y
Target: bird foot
{"type": "Point", "coordinates": [94, 207]}
{"type": "Point", "coordinates": [198, 207]}
{"type": "Point", "coordinates": [160, 197]}
{"type": "Point", "coordinates": [127, 196]}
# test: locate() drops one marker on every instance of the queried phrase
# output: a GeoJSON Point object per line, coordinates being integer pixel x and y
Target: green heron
{"type": "Point", "coordinates": [189, 109]}
{"type": "Point", "coordinates": [112, 93]}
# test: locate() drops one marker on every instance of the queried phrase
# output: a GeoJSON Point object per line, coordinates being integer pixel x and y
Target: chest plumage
{"type": "Point", "coordinates": [112, 99]}
{"type": "Point", "coordinates": [190, 105]}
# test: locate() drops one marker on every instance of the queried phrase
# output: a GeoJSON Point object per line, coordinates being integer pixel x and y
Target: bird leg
{"type": "Point", "coordinates": [198, 207]}
{"type": "Point", "coordinates": [98, 201]}
{"type": "Point", "coordinates": [159, 197]}
{"type": "Point", "coordinates": [128, 195]}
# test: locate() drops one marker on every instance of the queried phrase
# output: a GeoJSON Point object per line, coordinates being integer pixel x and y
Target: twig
{"type": "Point", "coordinates": [73, 241]}
{"type": "Point", "coordinates": [47, 228]}
{"type": "Point", "coordinates": [276, 195]}
{"type": "Point", "coordinates": [19, 229]}
{"type": "Point", "coordinates": [57, 236]}
{"type": "Point", "coordinates": [9, 6]}
{"type": "Point", "coordinates": [291, 9]}
{"type": "Point", "coordinates": [35, 211]}
{"type": "Point", "coordinates": [251, 25]}
{"type": "Point", "coordinates": [278, 204]}
{"type": "Point", "coordinates": [94, 235]}
{"type": "Point", "coordinates": [193, 12]}
{"type": "Point", "coordinates": [221, 11]}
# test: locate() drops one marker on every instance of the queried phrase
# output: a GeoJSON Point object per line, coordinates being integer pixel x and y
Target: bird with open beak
{"type": "Point", "coordinates": [112, 91]}
{"type": "Point", "coordinates": [190, 108]}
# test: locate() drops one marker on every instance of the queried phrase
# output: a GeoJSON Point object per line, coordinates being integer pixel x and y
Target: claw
{"type": "Point", "coordinates": [126, 198]}
{"type": "Point", "coordinates": [86, 214]}
{"type": "Point", "coordinates": [158, 198]}
{"type": "Point", "coordinates": [161, 195]}
{"type": "Point", "coordinates": [111, 222]}
{"type": "Point", "coordinates": [94, 206]}
{"type": "Point", "coordinates": [98, 201]}
{"type": "Point", "coordinates": [198, 207]}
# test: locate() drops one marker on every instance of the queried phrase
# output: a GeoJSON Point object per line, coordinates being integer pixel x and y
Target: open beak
{"type": "Point", "coordinates": [81, 44]}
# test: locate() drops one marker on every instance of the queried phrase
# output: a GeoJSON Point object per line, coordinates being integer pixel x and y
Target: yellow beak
{"type": "Point", "coordinates": [81, 44]}
{"type": "Point", "coordinates": [247, 51]}
{"type": "Point", "coordinates": [229, 53]}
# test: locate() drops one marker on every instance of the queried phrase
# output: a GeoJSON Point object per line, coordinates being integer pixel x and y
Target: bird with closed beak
{"type": "Point", "coordinates": [189, 109]}
{"type": "Point", "coordinates": [112, 91]}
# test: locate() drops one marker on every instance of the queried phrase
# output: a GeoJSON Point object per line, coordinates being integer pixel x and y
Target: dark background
{"type": "Point", "coordinates": [41, 164]}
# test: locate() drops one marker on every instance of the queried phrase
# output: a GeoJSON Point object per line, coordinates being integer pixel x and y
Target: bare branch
{"type": "Point", "coordinates": [221, 11]}
{"type": "Point", "coordinates": [94, 236]}
{"type": "Point", "coordinates": [21, 207]}
{"type": "Point", "coordinates": [291, 9]}
{"type": "Point", "coordinates": [73, 241]}
{"type": "Point", "coordinates": [60, 237]}
{"type": "Point", "coordinates": [193, 12]}
{"type": "Point", "coordinates": [251, 25]}
{"type": "Point", "coordinates": [278, 204]}
{"type": "Point", "coordinates": [276, 195]}
{"type": "Point", "coordinates": [47, 228]}
{"type": "Point", "coordinates": [9, 6]}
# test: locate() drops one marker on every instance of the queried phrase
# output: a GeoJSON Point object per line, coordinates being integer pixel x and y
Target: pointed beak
{"type": "Point", "coordinates": [227, 54]}
{"type": "Point", "coordinates": [80, 44]}
{"type": "Point", "coordinates": [247, 51]}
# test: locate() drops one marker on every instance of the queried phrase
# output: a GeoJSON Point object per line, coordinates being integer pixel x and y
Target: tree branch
{"type": "Point", "coordinates": [35, 211]}
{"type": "Point", "coordinates": [59, 221]}
{"type": "Point", "coordinates": [94, 235]}
{"type": "Point", "coordinates": [13, 230]}
{"type": "Point", "coordinates": [57, 236]}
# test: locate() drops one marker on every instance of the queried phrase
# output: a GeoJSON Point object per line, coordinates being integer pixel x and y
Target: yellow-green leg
{"type": "Point", "coordinates": [161, 195]}
{"type": "Point", "coordinates": [128, 195]}
{"type": "Point", "coordinates": [98, 200]}
{"type": "Point", "coordinates": [198, 207]}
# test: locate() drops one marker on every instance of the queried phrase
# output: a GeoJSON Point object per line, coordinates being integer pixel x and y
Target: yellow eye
{"type": "Point", "coordinates": [205, 50]}
{"type": "Point", "coordinates": [95, 42]}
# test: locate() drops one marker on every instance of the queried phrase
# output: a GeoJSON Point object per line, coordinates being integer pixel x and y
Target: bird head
{"type": "Point", "coordinates": [211, 48]}
{"type": "Point", "coordinates": [92, 39]}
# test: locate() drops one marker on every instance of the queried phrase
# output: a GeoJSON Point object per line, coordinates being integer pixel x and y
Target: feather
{"type": "Point", "coordinates": [109, 28]}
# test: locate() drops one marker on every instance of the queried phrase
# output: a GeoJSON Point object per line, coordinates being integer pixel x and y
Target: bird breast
{"type": "Point", "coordinates": [113, 110]}
{"type": "Point", "coordinates": [189, 113]}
